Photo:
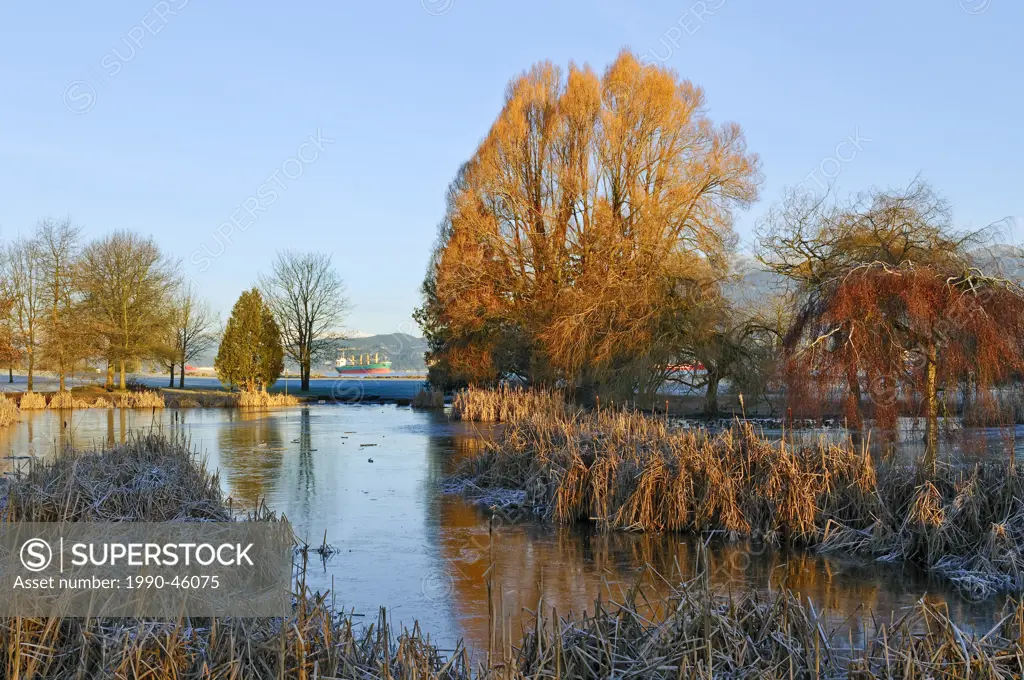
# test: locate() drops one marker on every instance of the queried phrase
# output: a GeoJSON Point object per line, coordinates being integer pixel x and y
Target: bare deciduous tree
{"type": "Point", "coordinates": [307, 297]}
{"type": "Point", "coordinates": [126, 281]}
{"type": "Point", "coordinates": [193, 321]}
{"type": "Point", "coordinates": [65, 339]}
{"type": "Point", "coordinates": [22, 264]}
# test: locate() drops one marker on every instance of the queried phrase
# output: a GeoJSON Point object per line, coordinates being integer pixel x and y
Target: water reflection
{"type": "Point", "coordinates": [907, 442]}
{"type": "Point", "coordinates": [250, 452]}
{"type": "Point", "coordinates": [368, 476]}
{"type": "Point", "coordinates": [40, 433]}
{"type": "Point", "coordinates": [567, 568]}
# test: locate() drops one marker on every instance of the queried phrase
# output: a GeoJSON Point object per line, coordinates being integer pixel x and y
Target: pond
{"type": "Point", "coordinates": [369, 477]}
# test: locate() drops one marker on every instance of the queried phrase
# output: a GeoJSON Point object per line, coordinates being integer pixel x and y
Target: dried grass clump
{"type": "Point", "coordinates": [429, 399]}
{"type": "Point", "coordinates": [628, 471]}
{"type": "Point", "coordinates": [8, 411]}
{"type": "Point", "coordinates": [752, 636]}
{"type": "Point", "coordinates": [200, 399]}
{"type": "Point", "coordinates": [32, 401]}
{"type": "Point", "coordinates": [66, 400]}
{"type": "Point", "coordinates": [151, 479]}
{"type": "Point", "coordinates": [702, 635]}
{"type": "Point", "coordinates": [263, 399]}
{"type": "Point", "coordinates": [505, 404]}
{"type": "Point", "coordinates": [141, 399]}
{"type": "Point", "coordinates": [314, 643]}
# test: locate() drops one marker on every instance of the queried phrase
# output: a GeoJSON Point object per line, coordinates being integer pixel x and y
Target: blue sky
{"type": "Point", "coordinates": [348, 119]}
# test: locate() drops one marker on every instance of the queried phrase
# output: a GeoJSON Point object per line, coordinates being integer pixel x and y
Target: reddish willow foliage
{"type": "Point", "coordinates": [884, 327]}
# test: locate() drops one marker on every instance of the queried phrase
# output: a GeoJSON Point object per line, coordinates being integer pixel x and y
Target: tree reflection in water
{"type": "Point", "coordinates": [567, 568]}
{"type": "Point", "coordinates": [251, 450]}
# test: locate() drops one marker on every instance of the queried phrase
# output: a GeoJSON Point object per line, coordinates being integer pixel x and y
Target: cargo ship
{"type": "Point", "coordinates": [361, 364]}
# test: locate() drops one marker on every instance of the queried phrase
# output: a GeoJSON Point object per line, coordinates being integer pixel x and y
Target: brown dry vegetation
{"type": "Point", "coordinates": [156, 480]}
{"type": "Point", "coordinates": [264, 399]}
{"type": "Point", "coordinates": [624, 470]}
{"type": "Point", "coordinates": [8, 411]}
{"type": "Point", "coordinates": [428, 399]}
{"type": "Point", "coordinates": [503, 404]}
{"type": "Point", "coordinates": [146, 399]}
{"type": "Point", "coordinates": [67, 400]}
{"type": "Point", "coordinates": [775, 636]}
{"type": "Point", "coordinates": [143, 399]}
{"type": "Point", "coordinates": [72, 400]}
{"type": "Point", "coordinates": [32, 401]}
{"type": "Point", "coordinates": [200, 399]}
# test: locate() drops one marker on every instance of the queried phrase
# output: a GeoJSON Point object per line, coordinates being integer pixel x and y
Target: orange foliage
{"type": "Point", "coordinates": [596, 212]}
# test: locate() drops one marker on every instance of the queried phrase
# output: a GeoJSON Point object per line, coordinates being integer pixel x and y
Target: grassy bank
{"type": "Point", "coordinates": [154, 479]}
{"type": "Point", "coordinates": [624, 470]}
{"type": "Point", "coordinates": [92, 397]}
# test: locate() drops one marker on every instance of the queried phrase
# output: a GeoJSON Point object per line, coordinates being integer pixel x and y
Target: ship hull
{"type": "Point", "coordinates": [379, 368]}
{"type": "Point", "coordinates": [355, 370]}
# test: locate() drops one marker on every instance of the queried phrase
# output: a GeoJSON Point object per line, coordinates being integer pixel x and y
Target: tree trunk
{"type": "Point", "coordinates": [711, 396]}
{"type": "Point", "coordinates": [61, 382]}
{"type": "Point", "coordinates": [854, 414]}
{"type": "Point", "coordinates": [931, 447]}
{"type": "Point", "coordinates": [123, 383]}
{"type": "Point", "coordinates": [172, 375]}
{"type": "Point", "coordinates": [966, 402]}
{"type": "Point", "coordinates": [181, 378]}
{"type": "Point", "coordinates": [585, 391]}
{"type": "Point", "coordinates": [304, 370]}
{"type": "Point", "coordinates": [31, 371]}
{"type": "Point", "coordinates": [109, 384]}
{"type": "Point", "coordinates": [10, 374]}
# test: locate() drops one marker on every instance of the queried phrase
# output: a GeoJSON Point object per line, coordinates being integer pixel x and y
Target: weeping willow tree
{"type": "Point", "coordinates": [894, 305]}
{"type": "Point", "coordinates": [589, 227]}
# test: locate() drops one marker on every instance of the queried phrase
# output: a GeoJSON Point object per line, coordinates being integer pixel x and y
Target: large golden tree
{"type": "Point", "coordinates": [590, 223]}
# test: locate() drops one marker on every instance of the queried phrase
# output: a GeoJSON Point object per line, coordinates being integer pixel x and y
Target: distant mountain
{"type": "Point", "coordinates": [404, 351]}
{"type": "Point", "coordinates": [751, 283]}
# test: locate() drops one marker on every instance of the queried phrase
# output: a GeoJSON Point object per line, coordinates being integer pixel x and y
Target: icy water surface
{"type": "Point", "coordinates": [369, 476]}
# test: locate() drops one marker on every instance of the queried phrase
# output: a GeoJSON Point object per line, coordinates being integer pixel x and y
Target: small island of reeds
{"type": "Point", "coordinates": [625, 470]}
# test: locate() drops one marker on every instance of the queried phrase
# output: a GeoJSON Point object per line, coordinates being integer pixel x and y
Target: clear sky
{"type": "Point", "coordinates": [166, 117]}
